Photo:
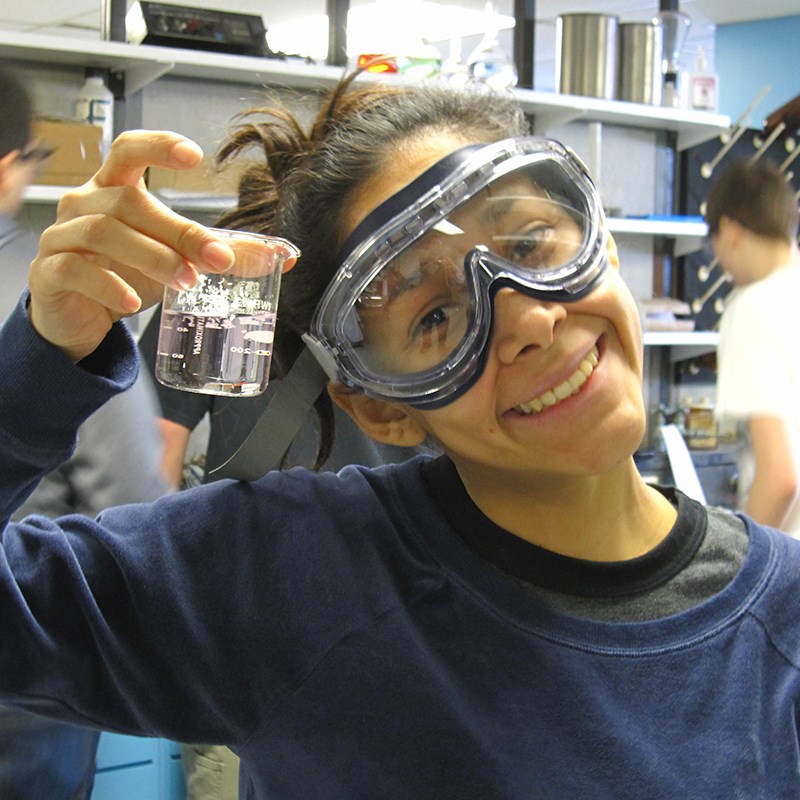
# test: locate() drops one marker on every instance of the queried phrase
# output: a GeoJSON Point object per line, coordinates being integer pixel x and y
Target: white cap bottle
{"type": "Point", "coordinates": [95, 104]}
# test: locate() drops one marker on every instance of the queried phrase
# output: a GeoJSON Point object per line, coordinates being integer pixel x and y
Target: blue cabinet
{"type": "Point", "coordinates": [133, 768]}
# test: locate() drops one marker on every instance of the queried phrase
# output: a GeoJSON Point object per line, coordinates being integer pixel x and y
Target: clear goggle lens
{"type": "Point", "coordinates": [409, 311]}
{"type": "Point", "coordinates": [418, 310]}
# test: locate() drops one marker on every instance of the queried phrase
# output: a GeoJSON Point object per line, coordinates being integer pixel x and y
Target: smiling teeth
{"type": "Point", "coordinates": [570, 386]}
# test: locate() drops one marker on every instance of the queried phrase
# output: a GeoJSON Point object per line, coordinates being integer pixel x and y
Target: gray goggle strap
{"type": "Point", "coordinates": [279, 423]}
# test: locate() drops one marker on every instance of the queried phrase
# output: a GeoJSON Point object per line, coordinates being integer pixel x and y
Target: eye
{"type": "Point", "coordinates": [533, 248]}
{"type": "Point", "coordinates": [526, 245]}
{"type": "Point", "coordinates": [438, 320]}
{"type": "Point", "coordinates": [439, 328]}
{"type": "Point", "coordinates": [433, 319]}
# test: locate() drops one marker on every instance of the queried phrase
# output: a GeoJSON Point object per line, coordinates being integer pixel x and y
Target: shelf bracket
{"type": "Point", "coordinates": [137, 76]}
{"type": "Point", "coordinates": [547, 119]}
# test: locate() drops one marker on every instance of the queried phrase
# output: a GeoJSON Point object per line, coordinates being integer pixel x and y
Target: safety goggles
{"type": "Point", "coordinates": [408, 315]}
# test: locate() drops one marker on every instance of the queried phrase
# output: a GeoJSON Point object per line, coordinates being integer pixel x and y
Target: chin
{"type": "Point", "coordinates": [623, 437]}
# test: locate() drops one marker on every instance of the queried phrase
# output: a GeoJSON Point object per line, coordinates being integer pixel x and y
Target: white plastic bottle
{"type": "Point", "coordinates": [702, 86]}
{"type": "Point", "coordinates": [95, 104]}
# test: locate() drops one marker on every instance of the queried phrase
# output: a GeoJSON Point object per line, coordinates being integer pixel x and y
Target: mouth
{"type": "Point", "coordinates": [568, 388]}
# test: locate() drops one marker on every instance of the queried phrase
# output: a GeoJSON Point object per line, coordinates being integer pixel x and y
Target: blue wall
{"type": "Point", "coordinates": [750, 55]}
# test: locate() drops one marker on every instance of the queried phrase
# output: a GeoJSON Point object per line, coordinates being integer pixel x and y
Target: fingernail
{"type": "Point", "coordinates": [186, 152]}
{"type": "Point", "coordinates": [185, 277]}
{"type": "Point", "coordinates": [217, 255]}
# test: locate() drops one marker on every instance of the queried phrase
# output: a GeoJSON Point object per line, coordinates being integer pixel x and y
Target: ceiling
{"type": "Point", "coordinates": [81, 18]}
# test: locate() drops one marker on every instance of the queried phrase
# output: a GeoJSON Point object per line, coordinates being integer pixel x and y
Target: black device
{"type": "Point", "coordinates": [197, 29]}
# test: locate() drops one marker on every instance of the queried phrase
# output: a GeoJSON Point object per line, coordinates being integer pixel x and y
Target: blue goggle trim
{"type": "Point", "coordinates": [413, 211]}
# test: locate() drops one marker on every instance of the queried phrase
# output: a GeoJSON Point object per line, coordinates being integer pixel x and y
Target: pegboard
{"type": "Point", "coordinates": [698, 167]}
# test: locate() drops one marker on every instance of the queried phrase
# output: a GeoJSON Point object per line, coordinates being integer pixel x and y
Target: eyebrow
{"type": "Point", "coordinates": [405, 283]}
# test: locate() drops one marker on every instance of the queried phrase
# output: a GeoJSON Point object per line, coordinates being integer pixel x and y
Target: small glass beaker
{"type": "Point", "coordinates": [216, 338]}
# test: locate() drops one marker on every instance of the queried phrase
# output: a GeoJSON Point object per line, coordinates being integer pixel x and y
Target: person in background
{"type": "Point", "coordinates": [752, 217]}
{"type": "Point", "coordinates": [522, 616]}
{"type": "Point", "coordinates": [117, 460]}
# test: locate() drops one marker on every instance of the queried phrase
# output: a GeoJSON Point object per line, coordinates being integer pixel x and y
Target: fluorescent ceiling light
{"type": "Point", "coordinates": [384, 27]}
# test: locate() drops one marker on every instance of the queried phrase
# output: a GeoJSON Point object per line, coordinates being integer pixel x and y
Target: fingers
{"type": "Point", "coordinates": [290, 254]}
{"type": "Point", "coordinates": [134, 151]}
{"type": "Point", "coordinates": [105, 238]}
{"type": "Point", "coordinates": [114, 246]}
{"type": "Point", "coordinates": [289, 263]}
{"type": "Point", "coordinates": [87, 277]}
{"type": "Point", "coordinates": [126, 224]}
{"type": "Point", "coordinates": [131, 154]}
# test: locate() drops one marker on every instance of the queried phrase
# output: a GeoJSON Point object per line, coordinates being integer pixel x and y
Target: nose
{"type": "Point", "coordinates": [522, 322]}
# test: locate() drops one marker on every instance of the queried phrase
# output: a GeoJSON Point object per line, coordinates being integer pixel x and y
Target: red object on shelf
{"type": "Point", "coordinates": [377, 63]}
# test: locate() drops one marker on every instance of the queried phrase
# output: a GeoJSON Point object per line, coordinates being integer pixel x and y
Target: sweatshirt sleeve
{"type": "Point", "coordinates": [193, 617]}
{"type": "Point", "coordinates": [45, 397]}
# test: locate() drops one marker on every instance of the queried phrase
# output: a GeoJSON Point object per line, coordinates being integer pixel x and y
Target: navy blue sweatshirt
{"type": "Point", "coordinates": [338, 634]}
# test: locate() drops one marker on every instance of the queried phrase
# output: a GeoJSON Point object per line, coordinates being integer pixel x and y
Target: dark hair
{"type": "Point", "coordinates": [15, 123]}
{"type": "Point", "coordinates": [310, 178]}
{"type": "Point", "coordinates": [757, 196]}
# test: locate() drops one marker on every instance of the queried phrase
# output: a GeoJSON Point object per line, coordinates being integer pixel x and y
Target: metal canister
{"type": "Point", "coordinates": [639, 78]}
{"type": "Point", "coordinates": [586, 54]}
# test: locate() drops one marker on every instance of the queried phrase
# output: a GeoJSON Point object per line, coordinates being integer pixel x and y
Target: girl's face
{"type": "Point", "coordinates": [560, 392]}
{"type": "Point", "coordinates": [419, 308]}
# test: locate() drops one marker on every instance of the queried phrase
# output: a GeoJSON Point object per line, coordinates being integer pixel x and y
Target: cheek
{"type": "Point", "coordinates": [633, 322]}
{"type": "Point", "coordinates": [459, 421]}
{"type": "Point", "coordinates": [614, 301]}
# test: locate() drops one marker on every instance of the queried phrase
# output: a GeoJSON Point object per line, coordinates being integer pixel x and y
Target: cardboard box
{"type": "Point", "coordinates": [77, 151]}
{"type": "Point", "coordinates": [206, 179]}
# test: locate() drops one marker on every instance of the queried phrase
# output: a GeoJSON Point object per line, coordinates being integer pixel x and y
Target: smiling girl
{"type": "Point", "coordinates": [520, 617]}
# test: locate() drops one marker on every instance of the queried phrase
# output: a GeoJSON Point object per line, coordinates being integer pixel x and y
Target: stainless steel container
{"type": "Point", "coordinates": [586, 54]}
{"type": "Point", "coordinates": [639, 78]}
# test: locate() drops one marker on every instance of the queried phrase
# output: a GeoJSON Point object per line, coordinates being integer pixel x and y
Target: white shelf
{"type": "Point", "coordinates": [674, 228]}
{"type": "Point", "coordinates": [683, 344]}
{"type": "Point", "coordinates": [195, 201]}
{"type": "Point", "coordinates": [181, 201]}
{"type": "Point", "coordinates": [552, 110]}
{"type": "Point", "coordinates": [688, 234]}
{"type": "Point", "coordinates": [39, 193]}
{"type": "Point", "coordinates": [143, 64]}
{"type": "Point", "coordinates": [682, 338]}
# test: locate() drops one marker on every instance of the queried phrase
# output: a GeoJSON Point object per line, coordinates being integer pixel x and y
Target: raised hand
{"type": "Point", "coordinates": [114, 246]}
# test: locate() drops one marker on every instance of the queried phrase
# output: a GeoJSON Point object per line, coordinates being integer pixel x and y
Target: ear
{"type": "Point", "coordinates": [5, 164]}
{"type": "Point", "coordinates": [388, 423]}
{"type": "Point", "coordinates": [612, 252]}
{"type": "Point", "coordinates": [730, 227]}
